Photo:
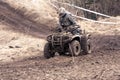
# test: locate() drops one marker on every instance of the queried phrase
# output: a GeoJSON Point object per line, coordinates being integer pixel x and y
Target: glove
{"type": "Point", "coordinates": [59, 29]}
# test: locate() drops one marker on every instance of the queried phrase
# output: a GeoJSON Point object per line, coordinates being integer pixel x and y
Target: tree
{"type": "Point", "coordinates": [109, 7]}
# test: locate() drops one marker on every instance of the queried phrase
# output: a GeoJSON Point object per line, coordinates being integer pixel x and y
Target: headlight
{"type": "Point", "coordinates": [49, 38]}
{"type": "Point", "coordinates": [66, 37]}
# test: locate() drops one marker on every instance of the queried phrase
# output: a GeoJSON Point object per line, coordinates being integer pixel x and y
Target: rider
{"type": "Point", "coordinates": [67, 22]}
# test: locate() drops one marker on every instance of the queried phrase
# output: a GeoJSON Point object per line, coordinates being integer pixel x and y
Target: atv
{"type": "Point", "coordinates": [67, 43]}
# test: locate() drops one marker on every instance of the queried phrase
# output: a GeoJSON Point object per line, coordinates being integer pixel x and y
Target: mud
{"type": "Point", "coordinates": [101, 64]}
{"type": "Point", "coordinates": [27, 61]}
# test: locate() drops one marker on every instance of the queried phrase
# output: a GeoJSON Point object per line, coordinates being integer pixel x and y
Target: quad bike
{"type": "Point", "coordinates": [67, 42]}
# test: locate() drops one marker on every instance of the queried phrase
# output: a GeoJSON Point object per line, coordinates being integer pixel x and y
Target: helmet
{"type": "Point", "coordinates": [62, 10]}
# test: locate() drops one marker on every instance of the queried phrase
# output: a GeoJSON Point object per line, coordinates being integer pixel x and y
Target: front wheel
{"type": "Point", "coordinates": [74, 48]}
{"type": "Point", "coordinates": [48, 52]}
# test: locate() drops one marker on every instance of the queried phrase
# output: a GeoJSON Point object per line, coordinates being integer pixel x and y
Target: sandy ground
{"type": "Point", "coordinates": [21, 51]}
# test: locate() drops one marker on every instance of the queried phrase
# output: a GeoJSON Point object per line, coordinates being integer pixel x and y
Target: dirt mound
{"type": "Point", "coordinates": [105, 42]}
{"type": "Point", "coordinates": [37, 10]}
{"type": "Point", "coordinates": [16, 19]}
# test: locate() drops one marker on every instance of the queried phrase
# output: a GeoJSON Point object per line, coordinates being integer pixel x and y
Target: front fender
{"type": "Point", "coordinates": [76, 37]}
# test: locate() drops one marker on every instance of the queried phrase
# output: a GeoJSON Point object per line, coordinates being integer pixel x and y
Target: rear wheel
{"type": "Point", "coordinates": [86, 45]}
{"type": "Point", "coordinates": [75, 48]}
{"type": "Point", "coordinates": [48, 52]}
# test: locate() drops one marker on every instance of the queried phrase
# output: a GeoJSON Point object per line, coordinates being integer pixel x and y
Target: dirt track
{"type": "Point", "coordinates": [28, 63]}
{"type": "Point", "coordinates": [103, 65]}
